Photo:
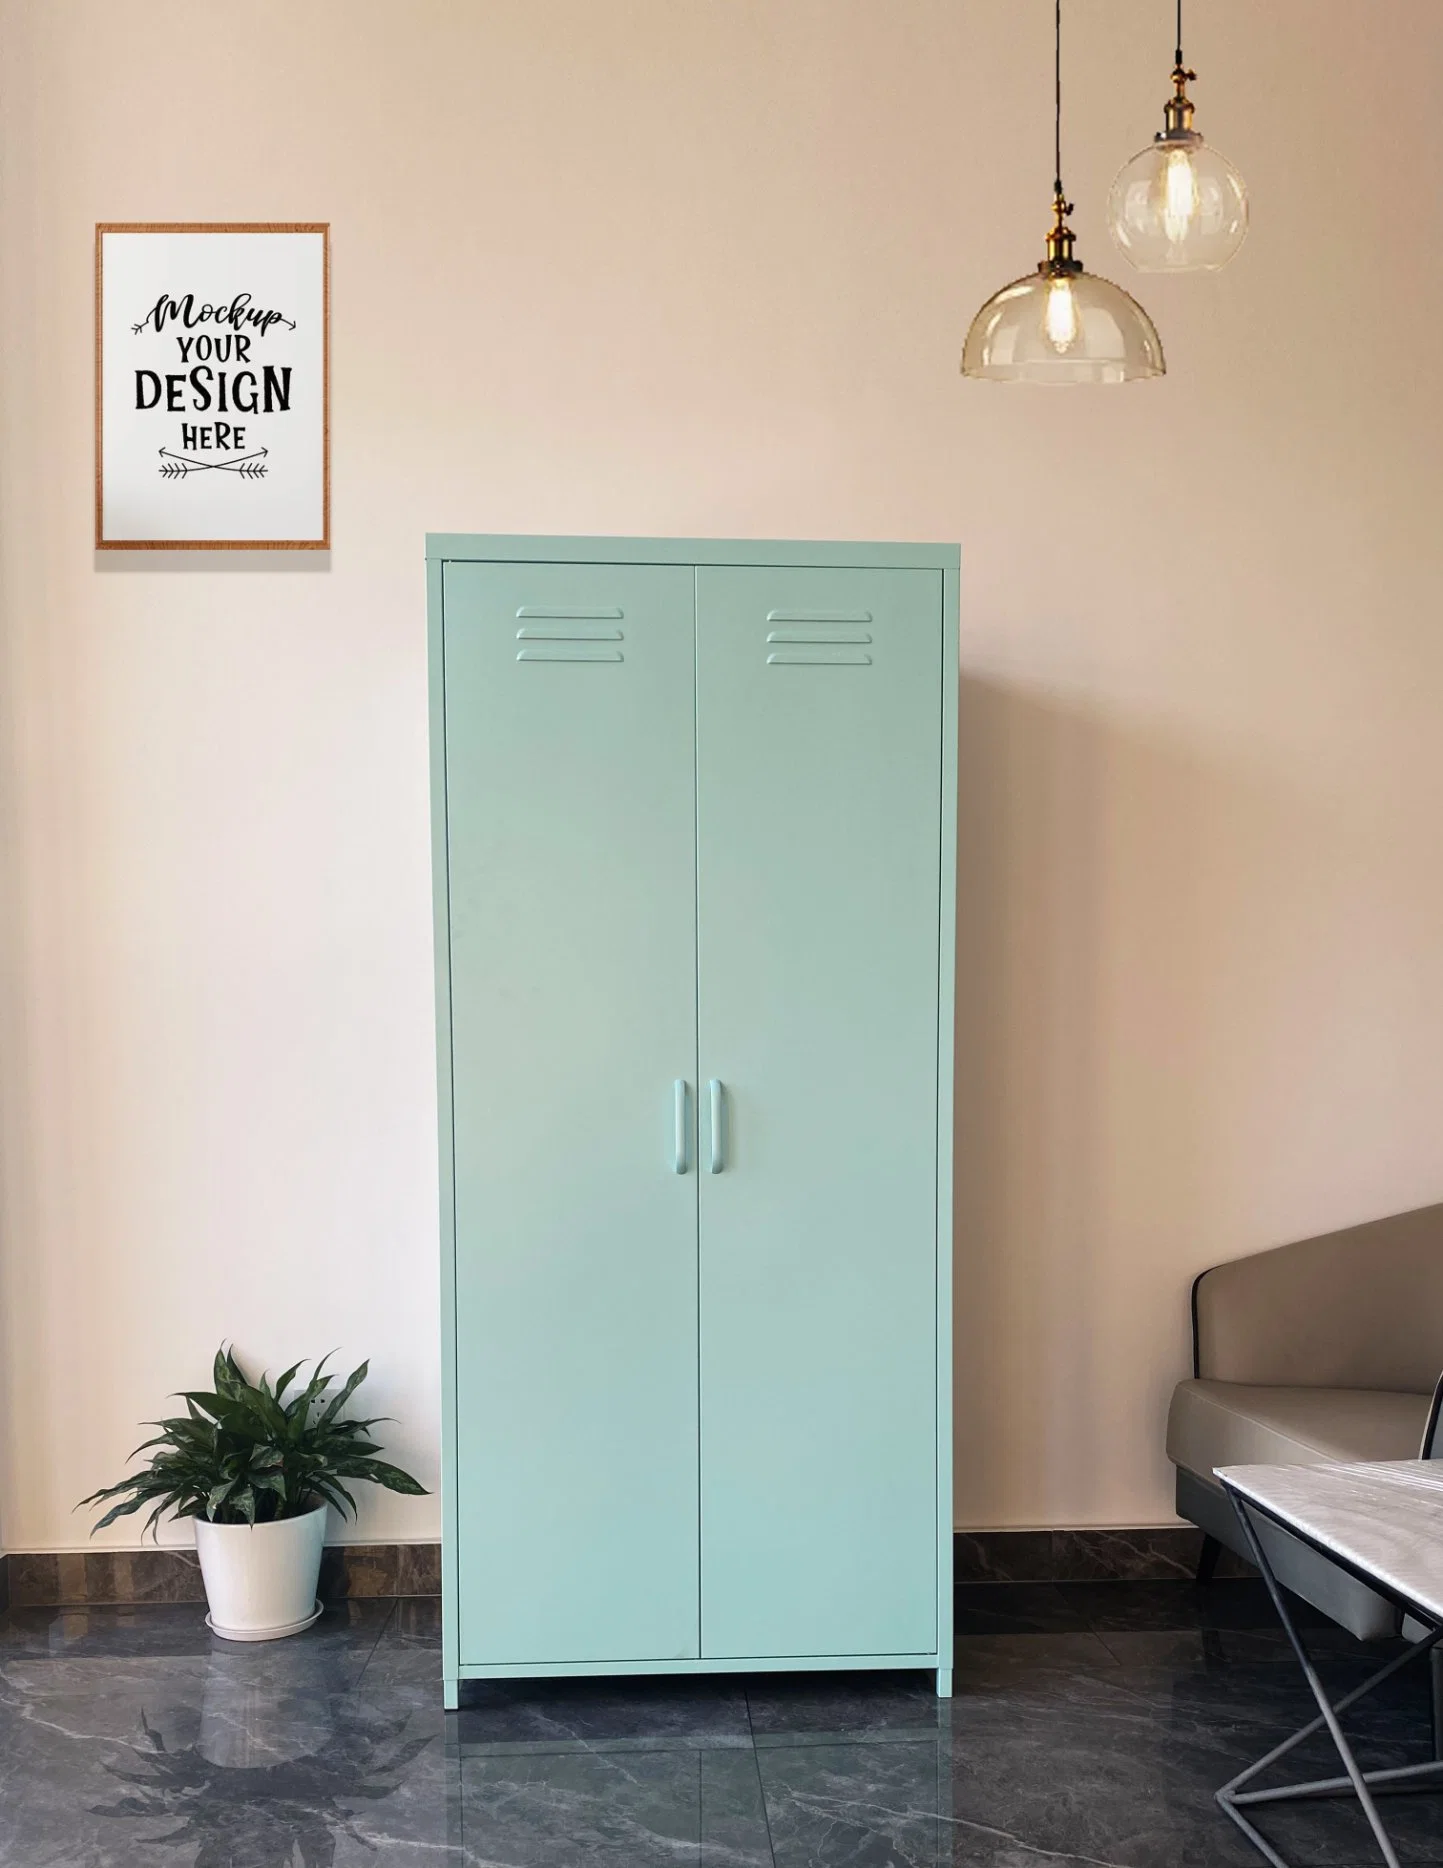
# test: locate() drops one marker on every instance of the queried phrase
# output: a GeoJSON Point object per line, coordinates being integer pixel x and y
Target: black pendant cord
{"type": "Point", "coordinates": [1057, 187]}
{"type": "Point", "coordinates": [1177, 56]}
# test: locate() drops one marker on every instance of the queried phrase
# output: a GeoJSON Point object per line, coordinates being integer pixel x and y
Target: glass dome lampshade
{"type": "Point", "coordinates": [1062, 325]}
{"type": "Point", "coordinates": [1178, 206]}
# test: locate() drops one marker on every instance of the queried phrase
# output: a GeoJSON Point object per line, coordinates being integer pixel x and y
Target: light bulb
{"type": "Point", "coordinates": [1059, 318]}
{"type": "Point", "coordinates": [1181, 198]}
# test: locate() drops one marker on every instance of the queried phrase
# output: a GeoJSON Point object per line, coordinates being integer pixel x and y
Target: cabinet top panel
{"type": "Point", "coordinates": [524, 548]}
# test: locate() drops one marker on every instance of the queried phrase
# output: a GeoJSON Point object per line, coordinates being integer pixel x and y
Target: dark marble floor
{"type": "Point", "coordinates": [1092, 1723]}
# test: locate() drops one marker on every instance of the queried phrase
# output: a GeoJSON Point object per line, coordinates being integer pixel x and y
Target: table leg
{"type": "Point", "coordinates": [1233, 1795]}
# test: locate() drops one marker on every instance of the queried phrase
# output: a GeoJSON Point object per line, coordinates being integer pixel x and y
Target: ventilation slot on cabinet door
{"type": "Point", "coordinates": [818, 639]}
{"type": "Point", "coordinates": [820, 625]}
{"type": "Point", "coordinates": [818, 656]}
{"type": "Point", "coordinates": [567, 635]}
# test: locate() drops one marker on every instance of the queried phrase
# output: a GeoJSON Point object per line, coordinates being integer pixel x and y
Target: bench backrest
{"type": "Point", "coordinates": [1360, 1308]}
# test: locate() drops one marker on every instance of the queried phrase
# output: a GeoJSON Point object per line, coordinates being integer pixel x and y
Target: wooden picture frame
{"type": "Point", "coordinates": [228, 448]}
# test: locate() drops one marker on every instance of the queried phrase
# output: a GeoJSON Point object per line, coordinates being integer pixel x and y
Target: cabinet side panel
{"type": "Point", "coordinates": [946, 1104]}
{"type": "Point", "coordinates": [436, 662]}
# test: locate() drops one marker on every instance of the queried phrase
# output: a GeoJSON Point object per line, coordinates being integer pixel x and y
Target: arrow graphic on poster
{"type": "Point", "coordinates": [248, 466]}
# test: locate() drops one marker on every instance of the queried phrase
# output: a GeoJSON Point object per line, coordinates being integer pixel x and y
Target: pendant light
{"type": "Point", "coordinates": [1061, 324]}
{"type": "Point", "coordinates": [1178, 206]}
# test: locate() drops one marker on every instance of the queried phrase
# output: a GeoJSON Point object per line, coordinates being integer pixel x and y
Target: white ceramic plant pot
{"type": "Point", "coordinates": [260, 1579]}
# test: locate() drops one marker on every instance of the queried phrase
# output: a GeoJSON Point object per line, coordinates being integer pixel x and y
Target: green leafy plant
{"type": "Point", "coordinates": [244, 1454]}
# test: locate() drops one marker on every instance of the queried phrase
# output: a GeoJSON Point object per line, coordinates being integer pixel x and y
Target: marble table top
{"type": "Point", "coordinates": [1384, 1517]}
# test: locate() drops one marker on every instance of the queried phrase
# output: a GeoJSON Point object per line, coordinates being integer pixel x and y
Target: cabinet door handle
{"type": "Point", "coordinates": [682, 1133]}
{"type": "Point", "coordinates": [718, 1121]}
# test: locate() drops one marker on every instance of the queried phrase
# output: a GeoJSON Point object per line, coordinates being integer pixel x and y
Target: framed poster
{"type": "Point", "coordinates": [212, 387]}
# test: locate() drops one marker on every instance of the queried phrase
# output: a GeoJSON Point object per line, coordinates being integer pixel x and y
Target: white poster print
{"type": "Point", "coordinates": [212, 393]}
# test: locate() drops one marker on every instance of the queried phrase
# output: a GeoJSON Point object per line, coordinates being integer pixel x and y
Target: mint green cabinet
{"type": "Point", "coordinates": [692, 817]}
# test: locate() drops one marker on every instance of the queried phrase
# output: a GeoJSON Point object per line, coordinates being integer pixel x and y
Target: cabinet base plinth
{"type": "Point", "coordinates": [773, 1663]}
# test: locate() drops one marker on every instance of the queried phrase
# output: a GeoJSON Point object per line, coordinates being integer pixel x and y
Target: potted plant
{"type": "Point", "coordinates": [256, 1471]}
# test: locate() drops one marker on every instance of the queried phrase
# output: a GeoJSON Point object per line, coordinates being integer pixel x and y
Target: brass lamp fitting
{"type": "Point", "coordinates": [1060, 241]}
{"type": "Point", "coordinates": [1177, 111]}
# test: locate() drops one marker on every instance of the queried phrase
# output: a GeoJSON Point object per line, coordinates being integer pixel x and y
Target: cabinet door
{"type": "Point", "coordinates": [570, 803]}
{"type": "Point", "coordinates": [819, 826]}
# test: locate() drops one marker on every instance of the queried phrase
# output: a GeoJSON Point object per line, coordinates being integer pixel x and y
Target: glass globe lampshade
{"type": "Point", "coordinates": [1178, 206]}
{"type": "Point", "coordinates": [1062, 325]}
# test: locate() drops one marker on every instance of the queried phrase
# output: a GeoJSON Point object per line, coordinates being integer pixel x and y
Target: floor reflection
{"type": "Point", "coordinates": [1092, 1724]}
{"type": "Point", "coordinates": [275, 1774]}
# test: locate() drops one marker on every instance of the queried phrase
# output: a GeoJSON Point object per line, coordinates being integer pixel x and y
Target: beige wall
{"type": "Point", "coordinates": [704, 266]}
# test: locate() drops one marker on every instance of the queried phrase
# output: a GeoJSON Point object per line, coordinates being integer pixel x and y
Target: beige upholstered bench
{"type": "Point", "coordinates": [1328, 1349]}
